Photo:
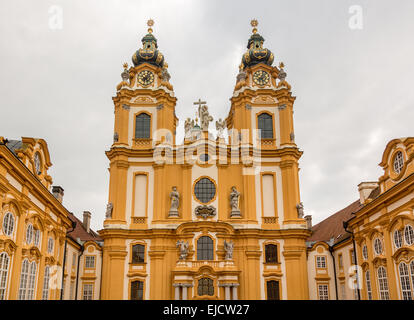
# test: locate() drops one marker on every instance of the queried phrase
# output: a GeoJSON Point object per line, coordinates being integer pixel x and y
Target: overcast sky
{"type": "Point", "coordinates": [354, 86]}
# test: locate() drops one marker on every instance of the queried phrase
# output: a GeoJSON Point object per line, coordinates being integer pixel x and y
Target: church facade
{"type": "Point", "coordinates": [211, 217]}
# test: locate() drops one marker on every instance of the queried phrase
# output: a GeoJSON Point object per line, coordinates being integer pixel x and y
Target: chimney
{"type": "Point", "coordinates": [365, 189]}
{"type": "Point", "coordinates": [308, 219]}
{"type": "Point", "coordinates": [58, 193]}
{"type": "Point", "coordinates": [86, 220]}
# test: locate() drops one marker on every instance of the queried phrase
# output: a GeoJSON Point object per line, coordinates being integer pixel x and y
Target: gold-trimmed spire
{"type": "Point", "coordinates": [254, 23]}
{"type": "Point", "coordinates": [150, 23]}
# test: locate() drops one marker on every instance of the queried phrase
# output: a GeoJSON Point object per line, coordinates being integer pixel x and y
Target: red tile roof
{"type": "Point", "coordinates": [80, 231]}
{"type": "Point", "coordinates": [332, 227]}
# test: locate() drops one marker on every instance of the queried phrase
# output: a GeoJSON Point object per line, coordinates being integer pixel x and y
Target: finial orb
{"type": "Point", "coordinates": [150, 23]}
{"type": "Point", "coordinates": [281, 65]}
{"type": "Point", "coordinates": [254, 23]}
{"type": "Point", "coordinates": [125, 65]}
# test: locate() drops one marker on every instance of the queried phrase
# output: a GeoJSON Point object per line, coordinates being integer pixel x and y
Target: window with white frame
{"type": "Point", "coordinates": [8, 224]}
{"type": "Point", "coordinates": [50, 245]}
{"type": "Point", "coordinates": [27, 280]}
{"type": "Point", "coordinates": [323, 292]}
{"type": "Point", "coordinates": [397, 239]}
{"type": "Point", "coordinates": [368, 283]}
{"type": "Point", "coordinates": [409, 234]}
{"type": "Point", "coordinates": [412, 272]}
{"type": "Point", "coordinates": [320, 262]}
{"type": "Point", "coordinates": [398, 162]}
{"type": "Point", "coordinates": [378, 246]}
{"type": "Point", "coordinates": [29, 233]}
{"type": "Point", "coordinates": [365, 252]}
{"type": "Point", "coordinates": [383, 283]}
{"type": "Point", "coordinates": [87, 291]}
{"type": "Point", "coordinates": [89, 262]}
{"type": "Point", "coordinates": [45, 294]}
{"type": "Point", "coordinates": [32, 281]}
{"type": "Point", "coordinates": [36, 241]}
{"type": "Point", "coordinates": [405, 281]}
{"type": "Point", "coordinates": [4, 272]}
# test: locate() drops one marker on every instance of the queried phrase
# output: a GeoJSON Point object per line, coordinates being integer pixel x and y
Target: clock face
{"type": "Point", "coordinates": [145, 77]}
{"type": "Point", "coordinates": [261, 77]}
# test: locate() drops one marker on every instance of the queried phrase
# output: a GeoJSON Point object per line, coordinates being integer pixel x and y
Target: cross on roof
{"type": "Point", "coordinates": [199, 102]}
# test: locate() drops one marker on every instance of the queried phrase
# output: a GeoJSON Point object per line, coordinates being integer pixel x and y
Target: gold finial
{"type": "Point", "coordinates": [125, 65]}
{"type": "Point", "coordinates": [281, 65]}
{"type": "Point", "coordinates": [150, 23]}
{"type": "Point", "coordinates": [254, 23]}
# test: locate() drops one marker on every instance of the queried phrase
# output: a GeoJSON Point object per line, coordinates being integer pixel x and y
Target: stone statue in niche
{"type": "Point", "coordinates": [228, 247]}
{"type": "Point", "coordinates": [183, 249]}
{"type": "Point", "coordinates": [299, 208]}
{"type": "Point", "coordinates": [234, 202]}
{"type": "Point", "coordinates": [175, 202]}
{"type": "Point", "coordinates": [109, 208]}
{"type": "Point", "coordinates": [220, 127]}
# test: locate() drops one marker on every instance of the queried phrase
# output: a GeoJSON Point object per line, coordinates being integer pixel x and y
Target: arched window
{"type": "Point", "coordinates": [50, 245]}
{"type": "Point", "coordinates": [32, 281]}
{"type": "Point", "coordinates": [45, 295]}
{"type": "Point", "coordinates": [378, 246]}
{"type": "Point", "coordinates": [383, 283]}
{"type": "Point", "coordinates": [36, 241]}
{"type": "Point", "coordinates": [138, 253]}
{"type": "Point", "coordinates": [24, 275]}
{"type": "Point", "coordinates": [409, 234]}
{"type": "Point", "coordinates": [368, 282]}
{"type": "Point", "coordinates": [137, 290]}
{"type": "Point", "coordinates": [405, 281]}
{"type": "Point", "coordinates": [272, 287]}
{"type": "Point", "coordinates": [397, 239]}
{"type": "Point", "coordinates": [271, 253]}
{"type": "Point", "coordinates": [365, 252]}
{"type": "Point", "coordinates": [142, 126]}
{"type": "Point", "coordinates": [205, 287]}
{"type": "Point", "coordinates": [8, 224]}
{"type": "Point", "coordinates": [29, 233]}
{"type": "Point", "coordinates": [4, 271]}
{"type": "Point", "coordinates": [265, 124]}
{"type": "Point", "coordinates": [205, 250]}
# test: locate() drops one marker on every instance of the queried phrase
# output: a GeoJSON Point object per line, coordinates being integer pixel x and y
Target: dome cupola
{"type": "Point", "coordinates": [149, 52]}
{"type": "Point", "coordinates": [256, 53]}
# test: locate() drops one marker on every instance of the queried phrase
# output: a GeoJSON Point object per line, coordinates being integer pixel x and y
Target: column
{"type": "Point", "coordinates": [227, 292]}
{"type": "Point", "coordinates": [184, 286]}
{"type": "Point", "coordinates": [177, 291]}
{"type": "Point", "coordinates": [234, 287]}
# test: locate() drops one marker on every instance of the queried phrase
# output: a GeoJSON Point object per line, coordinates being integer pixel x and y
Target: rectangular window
{"type": "Point", "coordinates": [71, 290]}
{"type": "Point", "coordinates": [323, 292]}
{"type": "Point", "coordinates": [89, 262]}
{"type": "Point", "coordinates": [138, 253]}
{"type": "Point", "coordinates": [272, 290]}
{"type": "Point", "coordinates": [340, 261]}
{"type": "Point", "coordinates": [137, 290]}
{"type": "Point", "coordinates": [74, 257]}
{"type": "Point", "coordinates": [352, 256]}
{"type": "Point", "coordinates": [87, 291]}
{"type": "Point", "coordinates": [271, 253]}
{"type": "Point", "coordinates": [343, 292]}
{"type": "Point", "coordinates": [320, 262]}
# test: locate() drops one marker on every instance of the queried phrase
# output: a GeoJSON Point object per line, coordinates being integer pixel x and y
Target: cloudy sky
{"type": "Point", "coordinates": [352, 79]}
